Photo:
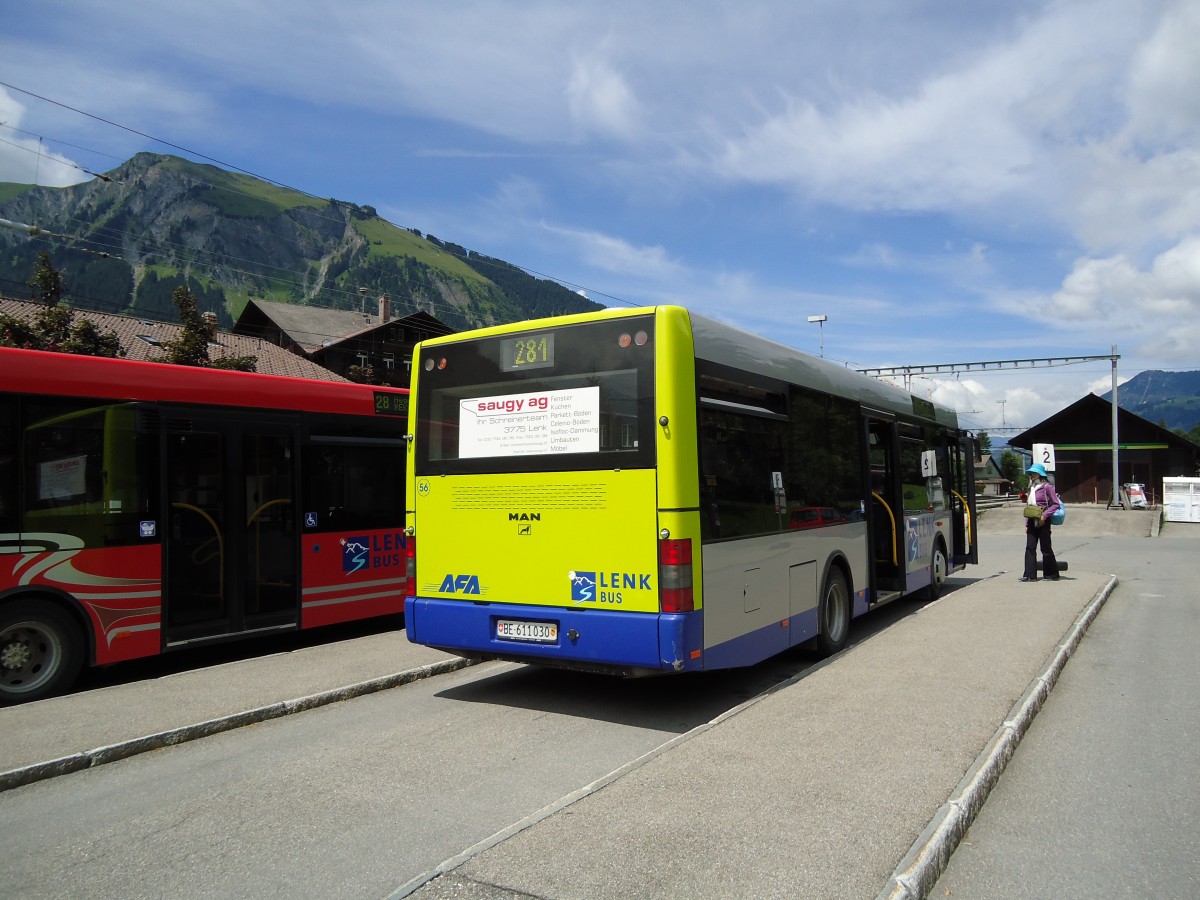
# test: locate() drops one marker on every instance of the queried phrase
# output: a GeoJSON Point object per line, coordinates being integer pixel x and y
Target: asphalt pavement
{"type": "Point", "coordinates": [854, 779]}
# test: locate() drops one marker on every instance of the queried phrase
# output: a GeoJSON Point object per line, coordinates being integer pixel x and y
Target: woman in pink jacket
{"type": "Point", "coordinates": [1037, 531]}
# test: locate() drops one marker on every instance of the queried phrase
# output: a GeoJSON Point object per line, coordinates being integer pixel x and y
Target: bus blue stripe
{"type": "Point", "coordinates": [604, 638]}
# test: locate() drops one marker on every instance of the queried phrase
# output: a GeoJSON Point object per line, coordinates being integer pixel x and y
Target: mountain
{"type": "Point", "coordinates": [1168, 398]}
{"type": "Point", "coordinates": [125, 240]}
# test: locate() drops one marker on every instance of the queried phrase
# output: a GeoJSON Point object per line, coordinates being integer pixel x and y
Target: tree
{"type": "Point", "coordinates": [362, 374]}
{"type": "Point", "coordinates": [191, 347]}
{"type": "Point", "coordinates": [1193, 435]}
{"type": "Point", "coordinates": [88, 340]}
{"type": "Point", "coordinates": [54, 327]}
{"type": "Point", "coordinates": [1011, 468]}
{"type": "Point", "coordinates": [47, 282]}
{"type": "Point", "coordinates": [985, 442]}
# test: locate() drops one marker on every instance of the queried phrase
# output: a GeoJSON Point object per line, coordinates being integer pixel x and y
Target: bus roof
{"type": "Point", "coordinates": [724, 344]}
{"type": "Point", "coordinates": [39, 372]}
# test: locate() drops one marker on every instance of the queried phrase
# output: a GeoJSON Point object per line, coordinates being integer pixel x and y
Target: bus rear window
{"type": "Point", "coordinates": [570, 398]}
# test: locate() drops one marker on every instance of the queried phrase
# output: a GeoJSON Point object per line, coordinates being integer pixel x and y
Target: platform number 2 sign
{"type": "Point", "coordinates": [1044, 454]}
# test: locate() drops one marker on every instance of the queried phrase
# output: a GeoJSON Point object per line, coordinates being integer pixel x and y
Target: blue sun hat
{"type": "Point", "coordinates": [1037, 469]}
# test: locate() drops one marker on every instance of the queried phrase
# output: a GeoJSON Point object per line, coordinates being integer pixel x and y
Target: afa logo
{"type": "Point", "coordinates": [460, 584]}
{"type": "Point", "coordinates": [583, 587]}
{"type": "Point", "coordinates": [356, 554]}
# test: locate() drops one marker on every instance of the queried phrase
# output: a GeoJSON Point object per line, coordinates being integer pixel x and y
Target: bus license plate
{"type": "Point", "coordinates": [517, 630]}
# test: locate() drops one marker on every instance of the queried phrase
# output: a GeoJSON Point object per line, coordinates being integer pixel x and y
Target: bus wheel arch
{"type": "Point", "coordinates": [834, 611]}
{"type": "Point", "coordinates": [42, 648]}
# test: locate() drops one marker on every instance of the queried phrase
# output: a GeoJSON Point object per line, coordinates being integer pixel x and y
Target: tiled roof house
{"type": "Point", "coordinates": [142, 339]}
{"type": "Point", "coordinates": [339, 338]}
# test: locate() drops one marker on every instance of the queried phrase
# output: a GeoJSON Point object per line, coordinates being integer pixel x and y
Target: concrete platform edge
{"type": "Point", "coordinates": [929, 855]}
{"type": "Point", "coordinates": [15, 778]}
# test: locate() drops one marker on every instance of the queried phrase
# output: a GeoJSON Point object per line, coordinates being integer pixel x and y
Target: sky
{"type": "Point", "coordinates": [946, 182]}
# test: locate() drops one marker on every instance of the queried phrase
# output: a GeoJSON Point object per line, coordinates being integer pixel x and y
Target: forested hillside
{"type": "Point", "coordinates": [125, 241]}
{"type": "Point", "coordinates": [1171, 399]}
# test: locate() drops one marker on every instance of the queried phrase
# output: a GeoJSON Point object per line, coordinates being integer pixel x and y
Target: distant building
{"type": "Point", "coordinates": [142, 339]}
{"type": "Point", "coordinates": [344, 341]}
{"type": "Point", "coordinates": [1082, 439]}
{"type": "Point", "coordinates": [989, 480]}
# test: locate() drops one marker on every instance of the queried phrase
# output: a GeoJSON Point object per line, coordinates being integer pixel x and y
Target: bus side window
{"type": "Point", "coordinates": [353, 487]}
{"type": "Point", "coordinates": [916, 494]}
{"type": "Point", "coordinates": [9, 430]}
{"type": "Point", "coordinates": [81, 471]}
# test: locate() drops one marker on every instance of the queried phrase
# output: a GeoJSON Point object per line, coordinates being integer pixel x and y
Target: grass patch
{"type": "Point", "coordinates": [386, 239]}
{"type": "Point", "coordinates": [10, 190]}
{"type": "Point", "coordinates": [244, 196]}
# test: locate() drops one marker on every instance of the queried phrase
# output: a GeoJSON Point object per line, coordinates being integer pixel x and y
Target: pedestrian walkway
{"type": "Point", "coordinates": [72, 732]}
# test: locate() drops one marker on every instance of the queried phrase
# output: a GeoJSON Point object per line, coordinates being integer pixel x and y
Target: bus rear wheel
{"type": "Point", "coordinates": [834, 625]}
{"type": "Point", "coordinates": [41, 651]}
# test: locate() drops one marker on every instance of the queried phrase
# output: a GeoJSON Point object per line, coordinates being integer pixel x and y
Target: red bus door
{"type": "Point", "coordinates": [231, 547]}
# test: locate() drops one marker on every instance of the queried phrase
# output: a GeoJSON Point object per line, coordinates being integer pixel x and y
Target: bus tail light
{"type": "Point", "coordinates": [675, 576]}
{"type": "Point", "coordinates": [410, 565]}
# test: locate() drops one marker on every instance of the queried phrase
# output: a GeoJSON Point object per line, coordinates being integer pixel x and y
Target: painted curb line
{"type": "Point", "coordinates": [86, 759]}
{"type": "Point", "coordinates": [928, 857]}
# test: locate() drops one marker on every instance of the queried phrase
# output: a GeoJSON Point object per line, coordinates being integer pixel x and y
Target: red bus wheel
{"type": "Point", "coordinates": [41, 651]}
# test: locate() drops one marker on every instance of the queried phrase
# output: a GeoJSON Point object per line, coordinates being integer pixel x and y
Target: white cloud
{"type": "Point", "coordinates": [28, 159]}
{"type": "Point", "coordinates": [600, 99]}
{"type": "Point", "coordinates": [1159, 308]}
{"type": "Point", "coordinates": [606, 252]}
{"type": "Point", "coordinates": [1164, 81]}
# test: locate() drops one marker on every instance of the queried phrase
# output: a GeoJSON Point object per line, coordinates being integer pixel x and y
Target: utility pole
{"type": "Point", "coordinates": [1116, 494]}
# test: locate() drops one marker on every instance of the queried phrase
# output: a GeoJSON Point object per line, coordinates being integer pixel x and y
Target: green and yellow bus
{"type": "Point", "coordinates": [648, 490]}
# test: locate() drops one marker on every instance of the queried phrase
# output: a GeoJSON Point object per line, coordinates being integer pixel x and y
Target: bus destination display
{"type": "Point", "coordinates": [530, 351]}
{"type": "Point", "coordinates": [388, 404]}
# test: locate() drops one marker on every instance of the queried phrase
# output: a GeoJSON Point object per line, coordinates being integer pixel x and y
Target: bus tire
{"type": "Point", "coordinates": [938, 567]}
{"type": "Point", "coordinates": [41, 651]}
{"type": "Point", "coordinates": [833, 628]}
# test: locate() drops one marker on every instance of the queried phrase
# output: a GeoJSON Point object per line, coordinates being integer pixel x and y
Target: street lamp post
{"type": "Point", "coordinates": [820, 320]}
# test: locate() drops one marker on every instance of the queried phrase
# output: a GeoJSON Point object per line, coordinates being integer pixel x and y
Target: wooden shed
{"type": "Point", "coordinates": [1082, 438]}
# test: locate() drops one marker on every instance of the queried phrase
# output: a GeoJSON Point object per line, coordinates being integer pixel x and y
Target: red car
{"type": "Point", "coordinates": [815, 517]}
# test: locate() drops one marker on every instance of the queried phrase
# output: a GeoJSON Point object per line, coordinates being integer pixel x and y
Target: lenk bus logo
{"type": "Point", "coordinates": [378, 551]}
{"type": "Point", "coordinates": [583, 587]}
{"type": "Point", "coordinates": [355, 554]}
{"type": "Point", "coordinates": [460, 584]}
{"type": "Point", "coordinates": [606, 587]}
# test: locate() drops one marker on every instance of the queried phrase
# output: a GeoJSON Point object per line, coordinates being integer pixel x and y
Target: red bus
{"type": "Point", "coordinates": [147, 507]}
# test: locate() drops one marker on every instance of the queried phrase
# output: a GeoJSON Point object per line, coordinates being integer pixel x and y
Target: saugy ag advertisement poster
{"type": "Point", "coordinates": [565, 421]}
